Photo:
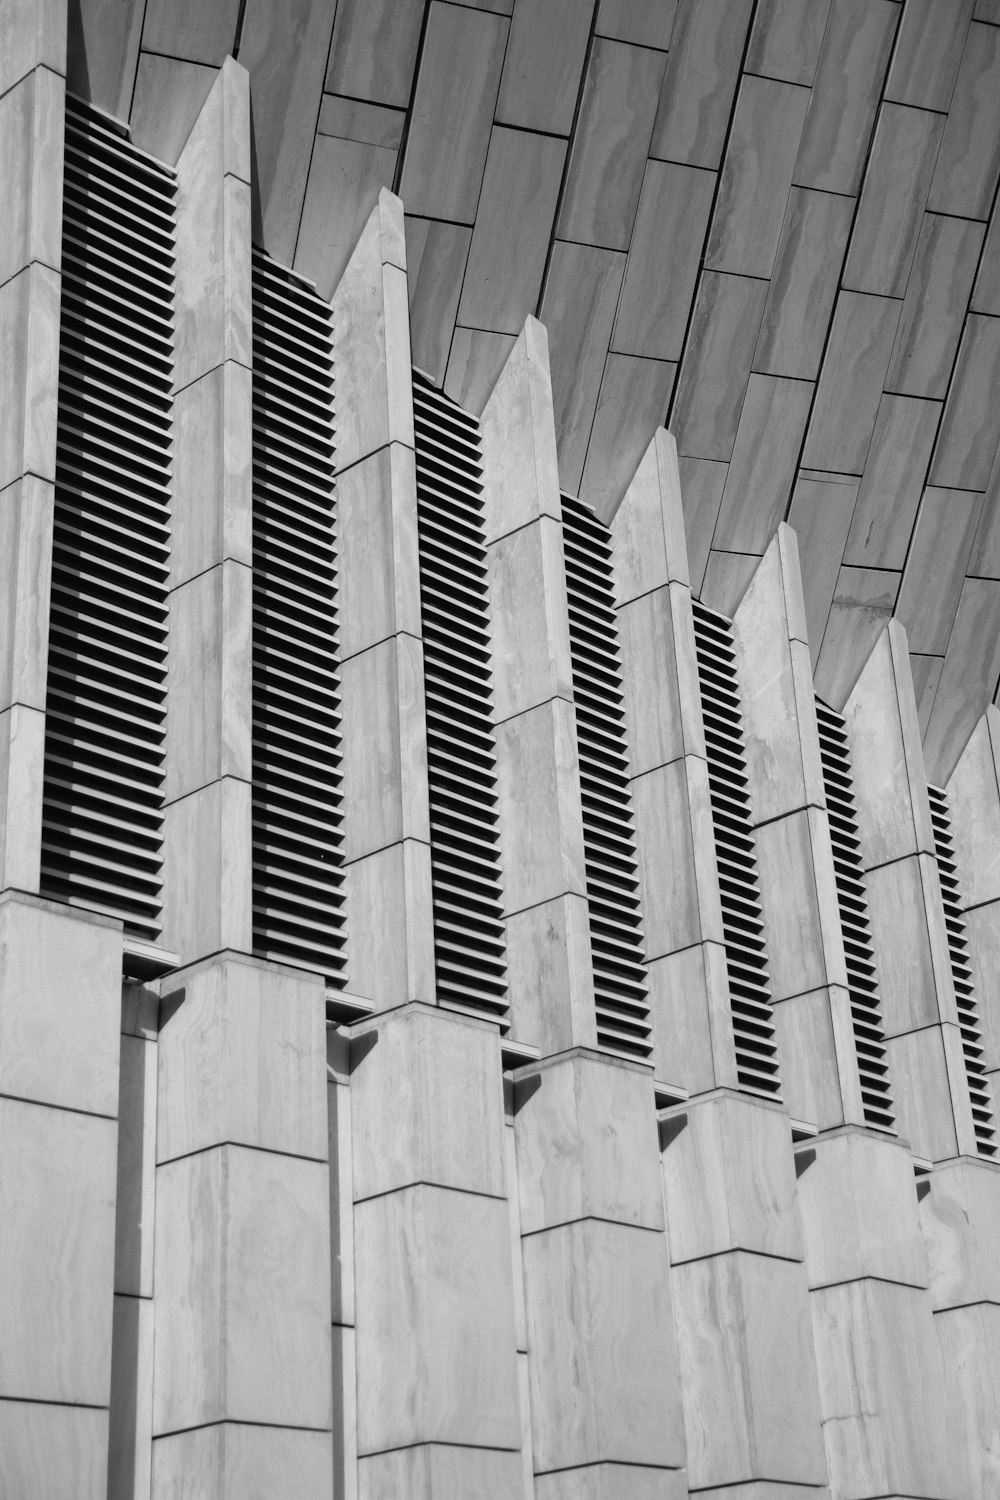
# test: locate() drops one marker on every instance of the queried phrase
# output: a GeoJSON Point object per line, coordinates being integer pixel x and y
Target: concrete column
{"type": "Point", "coordinates": [679, 882]}
{"type": "Point", "coordinates": [390, 935]}
{"type": "Point", "coordinates": [32, 111]}
{"type": "Point", "coordinates": [741, 1304]}
{"type": "Point", "coordinates": [884, 1389]}
{"type": "Point", "coordinates": [549, 966]}
{"type": "Point", "coordinates": [60, 1007]}
{"type": "Point", "coordinates": [342, 1303]}
{"type": "Point", "coordinates": [437, 1397]}
{"type": "Point", "coordinates": [805, 946]}
{"type": "Point", "coordinates": [207, 818]}
{"type": "Point", "coordinates": [919, 1012]}
{"type": "Point", "coordinates": [131, 1435]}
{"type": "Point", "coordinates": [242, 1352]}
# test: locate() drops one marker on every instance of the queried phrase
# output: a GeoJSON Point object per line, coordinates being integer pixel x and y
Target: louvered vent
{"type": "Point", "coordinates": [965, 995]}
{"type": "Point", "coordinates": [746, 957]}
{"type": "Point", "coordinates": [297, 816]}
{"type": "Point", "coordinates": [852, 899]}
{"type": "Point", "coordinates": [102, 820]}
{"type": "Point", "coordinates": [469, 945]}
{"type": "Point", "coordinates": [608, 833]}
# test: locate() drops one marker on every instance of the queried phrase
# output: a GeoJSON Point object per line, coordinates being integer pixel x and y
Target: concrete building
{"type": "Point", "coordinates": [499, 924]}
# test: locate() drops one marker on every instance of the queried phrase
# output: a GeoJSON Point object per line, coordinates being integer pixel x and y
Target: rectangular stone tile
{"type": "Point", "coordinates": [566, 1171]}
{"type": "Point", "coordinates": [53, 1452]}
{"type": "Point", "coordinates": [31, 140]}
{"type": "Point", "coordinates": [452, 111]}
{"type": "Point", "coordinates": [29, 322]}
{"type": "Point", "coordinates": [635, 394]}
{"type": "Point", "coordinates": [686, 990]}
{"type": "Point", "coordinates": [850, 382]}
{"type": "Point", "coordinates": [670, 225]}
{"type": "Point", "coordinates": [435, 1349]}
{"type": "Point", "coordinates": [208, 900]}
{"type": "Point", "coordinates": [706, 46]}
{"type": "Point", "coordinates": [970, 425]}
{"type": "Point", "coordinates": [26, 519]}
{"type": "Point", "coordinates": [60, 1006]}
{"type": "Point", "coordinates": [610, 139]}
{"type": "Point", "coordinates": [937, 296]}
{"type": "Point", "coordinates": [969, 160]}
{"type": "Point", "coordinates": [959, 1220]}
{"type": "Point", "coordinates": [985, 559]}
{"type": "Point", "coordinates": [131, 1413]}
{"type": "Point", "coordinates": [926, 671]}
{"type": "Point", "coordinates": [655, 728]}
{"type": "Point", "coordinates": [971, 667]}
{"type": "Point", "coordinates": [895, 470]}
{"type": "Point", "coordinates": [543, 64]}
{"type": "Point", "coordinates": [928, 52]}
{"type": "Point", "coordinates": [529, 629]}
{"type": "Point", "coordinates": [243, 1280]}
{"type": "Point", "coordinates": [764, 461]}
{"type": "Point", "coordinates": [897, 179]}
{"type": "Point", "coordinates": [846, 89]}
{"type": "Point", "coordinates": [436, 259]}
{"type": "Point", "coordinates": [239, 1457]}
{"type": "Point", "coordinates": [751, 1402]}
{"type": "Point", "coordinates": [786, 39]}
{"type": "Point", "coordinates": [756, 176]}
{"type": "Point", "coordinates": [101, 64]}
{"type": "Point", "coordinates": [474, 364]}
{"type": "Point", "coordinates": [135, 1195]}
{"type": "Point", "coordinates": [343, 187]}
{"type": "Point", "coordinates": [799, 904]}
{"type": "Point", "coordinates": [816, 1055]}
{"type": "Point", "coordinates": [862, 604]}
{"type": "Point", "coordinates": [724, 329]}
{"type": "Point", "coordinates": [198, 33]}
{"type": "Point", "coordinates": [859, 1211]}
{"type": "Point", "coordinates": [820, 515]}
{"type": "Point", "coordinates": [374, 49]}
{"type": "Point", "coordinates": [910, 944]}
{"type": "Point", "coordinates": [286, 64]}
{"type": "Point", "coordinates": [702, 486]}
{"type": "Point", "coordinates": [935, 567]}
{"type": "Point", "coordinates": [676, 850]}
{"type": "Point", "coordinates": [637, 21]}
{"type": "Point", "coordinates": [33, 36]}
{"type": "Point", "coordinates": [986, 292]}
{"type": "Point", "coordinates": [167, 101]}
{"type": "Point", "coordinates": [385, 759]}
{"type": "Point", "coordinates": [388, 917]}
{"type": "Point", "coordinates": [969, 1340]}
{"type": "Point", "coordinates": [57, 1198]}
{"type": "Point", "coordinates": [511, 238]}
{"type": "Point", "coordinates": [974, 801]}
{"type": "Point", "coordinates": [578, 309]}
{"type": "Point", "coordinates": [728, 1181]}
{"type": "Point", "coordinates": [378, 565]}
{"type": "Point", "coordinates": [426, 1104]}
{"type": "Point", "coordinates": [612, 1482]}
{"type": "Point", "coordinates": [542, 839]}
{"type": "Point", "coordinates": [803, 283]}
{"type": "Point", "coordinates": [924, 1113]}
{"type": "Point", "coordinates": [550, 975]}
{"type": "Point", "coordinates": [602, 1367]}
{"type": "Point", "coordinates": [354, 120]}
{"type": "Point", "coordinates": [727, 578]}
{"type": "Point", "coordinates": [438, 1469]}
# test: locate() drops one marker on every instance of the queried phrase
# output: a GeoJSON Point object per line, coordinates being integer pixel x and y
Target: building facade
{"type": "Point", "coordinates": [474, 1021]}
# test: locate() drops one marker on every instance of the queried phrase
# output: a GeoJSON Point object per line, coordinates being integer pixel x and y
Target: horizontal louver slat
{"type": "Point", "coordinates": [742, 923]}
{"type": "Point", "coordinates": [620, 985]}
{"type": "Point", "coordinates": [852, 899]}
{"type": "Point", "coordinates": [469, 940]}
{"type": "Point", "coordinates": [298, 896]}
{"type": "Point", "coordinates": [102, 814]}
{"type": "Point", "coordinates": [980, 1093]}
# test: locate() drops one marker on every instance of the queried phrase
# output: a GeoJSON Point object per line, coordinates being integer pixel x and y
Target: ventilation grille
{"type": "Point", "coordinates": [965, 995]}
{"type": "Point", "coordinates": [608, 833]}
{"type": "Point", "coordinates": [852, 898]}
{"type": "Point", "coordinates": [297, 818]}
{"type": "Point", "coordinates": [102, 819]}
{"type": "Point", "coordinates": [469, 945]}
{"type": "Point", "coordinates": [735, 853]}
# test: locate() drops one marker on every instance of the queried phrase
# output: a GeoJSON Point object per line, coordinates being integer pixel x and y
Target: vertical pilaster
{"type": "Point", "coordinates": [342, 1302]}
{"type": "Point", "coordinates": [131, 1435]}
{"type": "Point", "coordinates": [974, 795]}
{"type": "Point", "coordinates": [32, 110]}
{"type": "Point", "coordinates": [242, 1349]}
{"type": "Point", "coordinates": [689, 990]}
{"type": "Point", "coordinates": [919, 1011]}
{"type": "Point", "coordinates": [390, 942]}
{"type": "Point", "coordinates": [60, 1006]}
{"type": "Point", "coordinates": [805, 946]}
{"type": "Point", "coordinates": [550, 970]}
{"type": "Point", "coordinates": [207, 857]}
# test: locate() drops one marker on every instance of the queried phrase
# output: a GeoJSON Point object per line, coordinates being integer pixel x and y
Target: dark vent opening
{"type": "Point", "coordinates": [852, 898]}
{"type": "Point", "coordinates": [298, 896]}
{"type": "Point", "coordinates": [736, 856]}
{"type": "Point", "coordinates": [102, 813]}
{"type": "Point", "coordinates": [616, 940]}
{"type": "Point", "coordinates": [469, 939]}
{"type": "Point", "coordinates": [980, 1094]}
